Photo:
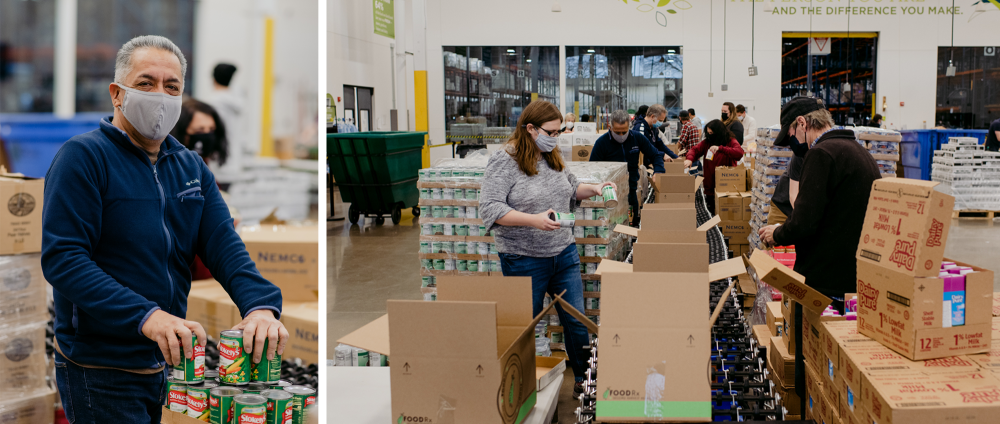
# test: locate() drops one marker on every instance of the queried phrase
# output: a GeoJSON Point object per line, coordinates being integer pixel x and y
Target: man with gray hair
{"type": "Point", "coordinates": [127, 208]}
{"type": "Point", "coordinates": [649, 126]}
{"type": "Point", "coordinates": [623, 145]}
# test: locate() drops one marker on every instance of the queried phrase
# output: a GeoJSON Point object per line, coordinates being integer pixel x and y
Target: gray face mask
{"type": "Point", "coordinates": [546, 142]}
{"type": "Point", "coordinates": [151, 114]}
{"type": "Point", "coordinates": [619, 138]}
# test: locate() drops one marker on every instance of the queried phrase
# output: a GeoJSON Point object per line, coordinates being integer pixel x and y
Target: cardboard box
{"type": "Point", "coordinates": [22, 290]}
{"type": "Point", "coordinates": [989, 360]}
{"type": "Point", "coordinates": [675, 167]}
{"type": "Point", "coordinates": [547, 369]}
{"type": "Point", "coordinates": [673, 183]}
{"type": "Point", "coordinates": [782, 362]}
{"type": "Point", "coordinates": [904, 312]}
{"type": "Point", "coordinates": [23, 362]}
{"type": "Point", "coordinates": [790, 334]}
{"type": "Point", "coordinates": [996, 304]}
{"type": "Point", "coordinates": [788, 282]}
{"type": "Point", "coordinates": [21, 218]}
{"type": "Point", "coordinates": [451, 358]}
{"type": "Point", "coordinates": [762, 335]}
{"type": "Point", "coordinates": [919, 398]}
{"type": "Point", "coordinates": [814, 392]}
{"type": "Point", "coordinates": [210, 305]}
{"type": "Point", "coordinates": [582, 153]}
{"type": "Point", "coordinates": [906, 226]}
{"type": "Point", "coordinates": [731, 178]}
{"type": "Point", "coordinates": [35, 409]}
{"type": "Point", "coordinates": [302, 322]}
{"type": "Point", "coordinates": [747, 212]}
{"type": "Point", "coordinates": [737, 231]}
{"type": "Point", "coordinates": [775, 321]}
{"type": "Point", "coordinates": [730, 205]}
{"type": "Point", "coordinates": [786, 389]}
{"type": "Point", "coordinates": [171, 417]}
{"type": "Point", "coordinates": [678, 198]}
{"type": "Point", "coordinates": [664, 219]}
{"type": "Point", "coordinates": [654, 359]}
{"type": "Point", "coordinates": [288, 257]}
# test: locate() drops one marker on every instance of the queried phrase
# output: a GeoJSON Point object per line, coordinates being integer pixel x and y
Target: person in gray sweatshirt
{"type": "Point", "coordinates": [525, 181]}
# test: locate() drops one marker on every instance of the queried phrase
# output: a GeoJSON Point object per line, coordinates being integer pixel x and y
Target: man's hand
{"type": "Point", "coordinates": [258, 326]}
{"type": "Point", "coordinates": [164, 329]}
{"type": "Point", "coordinates": [542, 222]}
{"type": "Point", "coordinates": [767, 234]}
{"type": "Point", "coordinates": [667, 158]}
{"type": "Point", "coordinates": [687, 163]}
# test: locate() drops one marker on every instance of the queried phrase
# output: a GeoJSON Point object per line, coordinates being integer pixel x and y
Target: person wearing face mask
{"type": "Point", "coordinates": [719, 149]}
{"type": "Point", "coordinates": [649, 126]}
{"type": "Point", "coordinates": [199, 128]}
{"type": "Point", "coordinates": [568, 123]}
{"type": "Point", "coordinates": [749, 125]}
{"type": "Point", "coordinates": [829, 210]}
{"type": "Point", "coordinates": [524, 182]}
{"type": "Point", "coordinates": [732, 123]}
{"type": "Point", "coordinates": [620, 144]}
{"type": "Point", "coordinates": [127, 208]}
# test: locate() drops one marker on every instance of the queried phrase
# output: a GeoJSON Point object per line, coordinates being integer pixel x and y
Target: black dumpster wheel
{"type": "Point", "coordinates": [353, 215]}
{"type": "Point", "coordinates": [416, 211]}
{"type": "Point", "coordinates": [379, 220]}
{"type": "Point", "coordinates": [396, 215]}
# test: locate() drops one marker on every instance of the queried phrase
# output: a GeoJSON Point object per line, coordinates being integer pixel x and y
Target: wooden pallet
{"type": "Point", "coordinates": [975, 214]}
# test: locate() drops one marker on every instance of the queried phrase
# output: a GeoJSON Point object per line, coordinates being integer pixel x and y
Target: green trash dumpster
{"type": "Point", "coordinates": [377, 172]}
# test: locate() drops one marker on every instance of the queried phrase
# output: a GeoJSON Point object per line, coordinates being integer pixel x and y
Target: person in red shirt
{"type": "Point", "coordinates": [689, 133]}
{"type": "Point", "coordinates": [719, 148]}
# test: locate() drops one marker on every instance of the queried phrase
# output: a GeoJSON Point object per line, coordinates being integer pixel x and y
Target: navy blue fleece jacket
{"type": "Point", "coordinates": [118, 237]}
{"type": "Point", "coordinates": [606, 149]}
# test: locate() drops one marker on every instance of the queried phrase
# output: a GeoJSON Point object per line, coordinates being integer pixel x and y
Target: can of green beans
{"type": "Point", "coordinates": [221, 404]}
{"type": "Point", "coordinates": [472, 266]}
{"type": "Point", "coordinates": [191, 370]}
{"type": "Point", "coordinates": [565, 220]}
{"type": "Point", "coordinates": [461, 247]}
{"type": "Point", "coordinates": [610, 197]}
{"type": "Point", "coordinates": [439, 264]}
{"type": "Point", "coordinates": [461, 230]}
{"type": "Point", "coordinates": [437, 229]}
{"type": "Point", "coordinates": [589, 232]}
{"type": "Point", "coordinates": [303, 399]}
{"type": "Point", "coordinates": [267, 370]}
{"type": "Point", "coordinates": [280, 406]}
{"type": "Point", "coordinates": [425, 247]}
{"type": "Point", "coordinates": [249, 409]}
{"type": "Point", "coordinates": [461, 265]}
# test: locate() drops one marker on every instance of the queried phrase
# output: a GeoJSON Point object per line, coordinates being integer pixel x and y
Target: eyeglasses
{"type": "Point", "coordinates": [553, 133]}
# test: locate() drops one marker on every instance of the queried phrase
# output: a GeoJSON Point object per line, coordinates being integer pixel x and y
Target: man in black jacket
{"type": "Point", "coordinates": [623, 145]}
{"type": "Point", "coordinates": [649, 126]}
{"type": "Point", "coordinates": [837, 178]}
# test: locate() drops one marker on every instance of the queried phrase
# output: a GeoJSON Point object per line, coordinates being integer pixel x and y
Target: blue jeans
{"type": "Point", "coordinates": [92, 395]}
{"type": "Point", "coordinates": [553, 275]}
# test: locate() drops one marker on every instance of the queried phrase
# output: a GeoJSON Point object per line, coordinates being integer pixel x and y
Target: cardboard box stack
{"type": "Point", "coordinates": [907, 297]}
{"type": "Point", "coordinates": [883, 144]}
{"type": "Point", "coordinates": [733, 204]}
{"type": "Point", "coordinates": [770, 162]}
{"type": "Point", "coordinates": [969, 173]}
{"type": "Point", "coordinates": [452, 357]}
{"type": "Point", "coordinates": [25, 393]}
{"type": "Point", "coordinates": [454, 241]}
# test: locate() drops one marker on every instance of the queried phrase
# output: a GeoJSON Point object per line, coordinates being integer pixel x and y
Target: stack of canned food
{"type": "Point", "coordinates": [350, 356]}
{"type": "Point", "coordinates": [238, 391]}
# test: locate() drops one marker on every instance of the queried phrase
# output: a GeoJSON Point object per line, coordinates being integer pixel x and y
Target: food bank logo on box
{"type": "Point", "coordinates": [617, 393]}
{"type": "Point", "coordinates": [795, 290]}
{"type": "Point", "coordinates": [934, 233]}
{"type": "Point", "coordinates": [903, 254]}
{"type": "Point", "coordinates": [869, 296]}
{"type": "Point", "coordinates": [403, 418]}
{"type": "Point", "coordinates": [992, 396]}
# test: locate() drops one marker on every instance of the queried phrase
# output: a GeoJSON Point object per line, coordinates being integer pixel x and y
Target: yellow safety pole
{"type": "Point", "coordinates": [266, 139]}
{"type": "Point", "coordinates": [420, 112]}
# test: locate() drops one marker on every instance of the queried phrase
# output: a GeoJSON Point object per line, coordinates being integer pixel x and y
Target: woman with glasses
{"type": "Point", "coordinates": [524, 183]}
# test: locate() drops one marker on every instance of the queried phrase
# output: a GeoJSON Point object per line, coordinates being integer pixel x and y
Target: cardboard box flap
{"type": "Point", "coordinates": [625, 229]}
{"type": "Point", "coordinates": [669, 219]}
{"type": "Point", "coordinates": [637, 300]}
{"type": "Point", "coordinates": [444, 329]}
{"type": "Point", "coordinates": [911, 182]}
{"type": "Point", "coordinates": [279, 234]}
{"type": "Point", "coordinates": [575, 313]}
{"type": "Point", "coordinates": [710, 223]}
{"type": "Point", "coordinates": [608, 265]}
{"type": "Point", "coordinates": [373, 337]}
{"type": "Point", "coordinates": [697, 182]}
{"type": "Point", "coordinates": [663, 236]}
{"type": "Point", "coordinates": [513, 312]}
{"type": "Point", "coordinates": [788, 282]}
{"type": "Point", "coordinates": [725, 269]}
{"type": "Point", "coordinates": [670, 257]}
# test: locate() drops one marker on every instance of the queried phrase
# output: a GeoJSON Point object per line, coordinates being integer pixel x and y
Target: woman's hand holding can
{"type": "Point", "coordinates": [544, 223]}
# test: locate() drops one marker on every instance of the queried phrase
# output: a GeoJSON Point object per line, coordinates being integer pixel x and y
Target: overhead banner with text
{"type": "Point", "coordinates": [385, 18]}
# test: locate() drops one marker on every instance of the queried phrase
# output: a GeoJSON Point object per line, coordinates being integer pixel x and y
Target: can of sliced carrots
{"type": "Point", "coordinates": [234, 364]}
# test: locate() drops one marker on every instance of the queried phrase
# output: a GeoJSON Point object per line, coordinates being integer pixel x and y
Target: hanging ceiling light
{"type": "Point", "coordinates": [950, 72]}
{"type": "Point", "coordinates": [769, 6]}
{"type": "Point", "coordinates": [556, 7]}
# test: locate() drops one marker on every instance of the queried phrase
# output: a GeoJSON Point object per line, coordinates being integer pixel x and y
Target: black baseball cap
{"type": "Point", "coordinates": [793, 109]}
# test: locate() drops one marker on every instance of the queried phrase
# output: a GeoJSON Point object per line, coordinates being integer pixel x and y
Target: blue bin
{"type": "Point", "coordinates": [32, 139]}
{"type": "Point", "coordinates": [916, 173]}
{"type": "Point", "coordinates": [918, 146]}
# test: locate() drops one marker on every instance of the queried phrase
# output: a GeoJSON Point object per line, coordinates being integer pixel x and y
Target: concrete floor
{"type": "Point", "coordinates": [370, 264]}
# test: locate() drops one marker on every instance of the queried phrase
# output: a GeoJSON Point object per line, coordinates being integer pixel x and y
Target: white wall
{"type": "Point", "coordinates": [233, 31]}
{"type": "Point", "coordinates": [907, 52]}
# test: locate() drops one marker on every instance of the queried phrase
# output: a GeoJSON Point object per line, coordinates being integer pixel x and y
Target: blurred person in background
{"type": "Point", "coordinates": [200, 128]}
{"type": "Point", "coordinates": [526, 181]}
{"type": "Point", "coordinates": [749, 126]}
{"type": "Point", "coordinates": [620, 144]}
{"type": "Point", "coordinates": [877, 121]}
{"type": "Point", "coordinates": [127, 208]}
{"type": "Point", "coordinates": [719, 148]}
{"type": "Point", "coordinates": [649, 126]}
{"type": "Point", "coordinates": [640, 113]}
{"type": "Point", "coordinates": [993, 136]}
{"type": "Point", "coordinates": [229, 106]}
{"type": "Point", "coordinates": [568, 122]}
{"type": "Point", "coordinates": [732, 123]}
{"type": "Point", "coordinates": [696, 121]}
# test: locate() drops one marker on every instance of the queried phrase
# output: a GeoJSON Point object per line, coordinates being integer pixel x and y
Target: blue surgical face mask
{"type": "Point", "coordinates": [657, 124]}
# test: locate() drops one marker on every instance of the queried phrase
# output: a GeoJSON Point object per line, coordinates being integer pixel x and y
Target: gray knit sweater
{"type": "Point", "coordinates": [506, 188]}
